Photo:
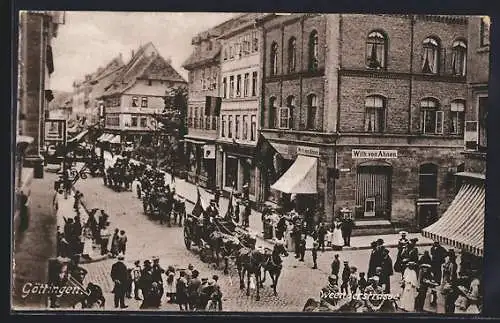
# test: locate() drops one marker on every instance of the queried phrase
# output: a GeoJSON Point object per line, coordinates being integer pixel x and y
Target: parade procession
{"type": "Point", "coordinates": [267, 162]}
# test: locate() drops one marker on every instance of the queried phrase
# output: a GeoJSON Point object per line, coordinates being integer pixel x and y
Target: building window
{"type": "Point", "coordinates": [290, 103]}
{"type": "Point", "coordinates": [255, 41]}
{"type": "Point", "coordinates": [254, 83]}
{"type": "Point", "coordinates": [483, 116]}
{"type": "Point", "coordinates": [231, 52]}
{"type": "Point", "coordinates": [246, 84]}
{"type": "Point", "coordinates": [209, 45]}
{"type": "Point", "coordinates": [272, 112]}
{"type": "Point", "coordinates": [459, 57]}
{"type": "Point", "coordinates": [144, 122]}
{"type": "Point", "coordinates": [225, 53]}
{"type": "Point", "coordinates": [292, 54]}
{"type": "Point", "coordinates": [190, 119]}
{"type": "Point", "coordinates": [214, 123]}
{"type": "Point", "coordinates": [223, 127]}
{"type": "Point", "coordinates": [431, 118]}
{"type": "Point", "coordinates": [231, 86]}
{"type": "Point", "coordinates": [230, 127]}
{"type": "Point", "coordinates": [224, 87]}
{"type": "Point", "coordinates": [374, 114]}
{"type": "Point", "coordinates": [135, 102]}
{"type": "Point", "coordinates": [245, 128]}
{"type": "Point", "coordinates": [376, 50]}
{"type": "Point", "coordinates": [238, 85]}
{"type": "Point", "coordinates": [428, 181]}
{"type": "Point", "coordinates": [430, 56]}
{"type": "Point", "coordinates": [485, 31]}
{"type": "Point", "coordinates": [312, 108]}
{"type": "Point", "coordinates": [274, 59]}
{"type": "Point", "coordinates": [457, 116]}
{"type": "Point", "coordinates": [144, 102]}
{"type": "Point", "coordinates": [313, 51]}
{"type": "Point", "coordinates": [214, 81]}
{"type": "Point", "coordinates": [237, 127]}
{"type": "Point", "coordinates": [253, 128]}
{"type": "Point", "coordinates": [134, 121]}
{"type": "Point", "coordinates": [195, 118]}
{"type": "Point", "coordinates": [284, 118]}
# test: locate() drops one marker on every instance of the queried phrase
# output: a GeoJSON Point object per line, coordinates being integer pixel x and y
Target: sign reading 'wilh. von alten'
{"type": "Point", "coordinates": [374, 153]}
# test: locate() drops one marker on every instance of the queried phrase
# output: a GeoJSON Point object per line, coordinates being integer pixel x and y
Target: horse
{"type": "Point", "coordinates": [223, 246]}
{"type": "Point", "coordinates": [250, 262]}
{"type": "Point", "coordinates": [273, 265]}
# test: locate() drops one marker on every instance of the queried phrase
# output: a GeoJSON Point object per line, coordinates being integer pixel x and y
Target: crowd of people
{"type": "Point", "coordinates": [150, 283]}
{"type": "Point", "coordinates": [422, 276]}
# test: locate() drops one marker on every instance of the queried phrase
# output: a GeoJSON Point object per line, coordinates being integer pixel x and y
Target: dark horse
{"type": "Point", "coordinates": [250, 262]}
{"type": "Point", "coordinates": [223, 246]}
{"type": "Point", "coordinates": [273, 265]}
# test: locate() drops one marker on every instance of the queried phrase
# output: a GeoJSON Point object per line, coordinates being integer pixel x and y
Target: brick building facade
{"type": "Point", "coordinates": [368, 84]}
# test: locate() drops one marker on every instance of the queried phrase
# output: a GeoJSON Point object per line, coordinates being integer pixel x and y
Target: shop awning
{"type": "Point", "coordinates": [115, 140]}
{"type": "Point", "coordinates": [101, 137]}
{"type": "Point", "coordinates": [462, 225]}
{"type": "Point", "coordinates": [300, 178]}
{"type": "Point", "coordinates": [78, 137]}
{"type": "Point", "coordinates": [105, 137]}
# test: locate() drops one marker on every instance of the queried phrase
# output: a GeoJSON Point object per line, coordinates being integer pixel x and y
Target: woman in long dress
{"type": "Point", "coordinates": [410, 282]}
{"type": "Point", "coordinates": [337, 240]}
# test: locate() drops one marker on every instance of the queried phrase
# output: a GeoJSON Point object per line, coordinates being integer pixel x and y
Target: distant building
{"type": "Point", "coordinates": [62, 106]}
{"type": "Point", "coordinates": [367, 112]}
{"type": "Point", "coordinates": [137, 93]}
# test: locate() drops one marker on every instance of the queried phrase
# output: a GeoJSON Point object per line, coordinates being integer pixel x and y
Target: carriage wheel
{"type": "Point", "coordinates": [187, 240]}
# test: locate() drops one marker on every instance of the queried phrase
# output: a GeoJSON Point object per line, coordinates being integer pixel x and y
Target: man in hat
{"type": "Point", "coordinates": [346, 229]}
{"type": "Point", "coordinates": [246, 215]}
{"type": "Point", "coordinates": [403, 240]}
{"type": "Point", "coordinates": [387, 271]}
{"type": "Point", "coordinates": [136, 277]}
{"type": "Point", "coordinates": [424, 282]}
{"type": "Point", "coordinates": [302, 247]}
{"type": "Point", "coordinates": [438, 256]}
{"type": "Point", "coordinates": [119, 275]}
{"type": "Point", "coordinates": [314, 252]}
{"type": "Point", "coordinates": [346, 274]}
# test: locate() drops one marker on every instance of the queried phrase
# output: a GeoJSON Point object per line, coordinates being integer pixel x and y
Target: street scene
{"type": "Point", "coordinates": [267, 162]}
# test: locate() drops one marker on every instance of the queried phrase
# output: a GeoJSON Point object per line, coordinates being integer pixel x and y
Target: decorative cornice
{"type": "Point", "coordinates": [294, 76]}
{"type": "Point", "coordinates": [382, 74]}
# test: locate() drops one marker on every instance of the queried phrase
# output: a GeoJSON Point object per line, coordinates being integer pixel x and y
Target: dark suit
{"type": "Point", "coordinates": [387, 272]}
{"type": "Point", "coordinates": [335, 267]}
{"type": "Point", "coordinates": [346, 228]}
{"type": "Point", "coordinates": [119, 275]}
{"type": "Point", "coordinates": [438, 255]}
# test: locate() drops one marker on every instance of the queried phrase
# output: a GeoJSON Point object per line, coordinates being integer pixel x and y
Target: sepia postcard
{"type": "Point", "coordinates": [250, 162]}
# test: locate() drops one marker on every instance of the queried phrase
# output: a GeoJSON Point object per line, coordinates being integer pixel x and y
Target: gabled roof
{"type": "Point", "coordinates": [143, 66]}
{"type": "Point", "coordinates": [199, 56]}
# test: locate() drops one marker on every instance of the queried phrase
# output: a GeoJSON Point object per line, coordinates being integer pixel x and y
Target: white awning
{"type": "Point", "coordinates": [300, 178]}
{"type": "Point", "coordinates": [116, 139]}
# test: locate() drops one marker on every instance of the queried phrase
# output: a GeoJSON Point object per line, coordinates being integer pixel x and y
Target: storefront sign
{"type": "Point", "coordinates": [309, 151]}
{"type": "Point", "coordinates": [55, 130]}
{"type": "Point", "coordinates": [209, 151]}
{"type": "Point", "coordinates": [345, 170]}
{"type": "Point", "coordinates": [374, 154]}
{"type": "Point", "coordinates": [282, 149]}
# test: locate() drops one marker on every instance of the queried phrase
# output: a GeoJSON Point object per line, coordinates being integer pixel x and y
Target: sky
{"type": "Point", "coordinates": [89, 40]}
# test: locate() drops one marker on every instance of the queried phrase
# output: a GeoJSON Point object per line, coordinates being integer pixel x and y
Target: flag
{"type": "Point", "coordinates": [198, 207]}
{"type": "Point", "coordinates": [266, 157]}
{"type": "Point", "coordinates": [230, 209]}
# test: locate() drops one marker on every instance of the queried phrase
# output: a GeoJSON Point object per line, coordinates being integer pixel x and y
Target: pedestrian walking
{"type": "Point", "coordinates": [424, 282]}
{"type": "Point", "coordinates": [346, 228]}
{"type": "Point", "coordinates": [321, 236]}
{"type": "Point", "coordinates": [193, 291]}
{"type": "Point", "coordinates": [104, 241]}
{"type": "Point", "coordinates": [362, 283]}
{"type": "Point", "coordinates": [387, 271]}
{"type": "Point", "coordinates": [438, 256]}
{"type": "Point", "coordinates": [170, 287]}
{"type": "Point", "coordinates": [353, 280]}
{"type": "Point", "coordinates": [346, 274]}
{"type": "Point", "coordinates": [337, 241]}
{"type": "Point", "coordinates": [181, 292]}
{"type": "Point", "coordinates": [114, 243]}
{"type": "Point", "coordinates": [136, 278]}
{"type": "Point", "coordinates": [119, 277]}
{"type": "Point", "coordinates": [302, 247]}
{"type": "Point", "coordinates": [335, 265]}
{"type": "Point", "coordinates": [122, 242]}
{"type": "Point", "coordinates": [314, 253]}
{"type": "Point", "coordinates": [409, 286]}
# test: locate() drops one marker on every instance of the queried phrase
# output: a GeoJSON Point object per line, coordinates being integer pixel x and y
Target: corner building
{"type": "Point", "coordinates": [376, 103]}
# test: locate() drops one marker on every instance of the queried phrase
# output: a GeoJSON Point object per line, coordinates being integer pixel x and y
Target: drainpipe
{"type": "Point", "coordinates": [412, 27]}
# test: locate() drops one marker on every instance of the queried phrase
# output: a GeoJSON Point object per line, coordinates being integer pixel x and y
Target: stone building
{"type": "Point", "coordinates": [375, 103]}
{"type": "Point", "coordinates": [204, 94]}
{"type": "Point", "coordinates": [240, 87]}
{"type": "Point", "coordinates": [462, 225]}
{"type": "Point", "coordinates": [136, 93]}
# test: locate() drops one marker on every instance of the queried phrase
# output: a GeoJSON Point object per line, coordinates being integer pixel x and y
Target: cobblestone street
{"type": "Point", "coordinates": [147, 238]}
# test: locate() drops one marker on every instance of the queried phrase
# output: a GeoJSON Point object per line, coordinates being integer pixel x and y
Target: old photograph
{"type": "Point", "coordinates": [250, 162]}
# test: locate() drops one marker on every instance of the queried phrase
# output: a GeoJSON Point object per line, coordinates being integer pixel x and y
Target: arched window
{"type": "Point", "coordinates": [428, 181]}
{"type": "Point", "coordinates": [459, 51]}
{"type": "Point", "coordinates": [430, 56]}
{"type": "Point", "coordinates": [457, 110]}
{"type": "Point", "coordinates": [313, 51]}
{"type": "Point", "coordinates": [274, 59]}
{"type": "Point", "coordinates": [431, 119]}
{"type": "Point", "coordinates": [272, 112]}
{"type": "Point", "coordinates": [376, 50]}
{"type": "Point", "coordinates": [375, 113]}
{"type": "Point", "coordinates": [312, 110]}
{"type": "Point", "coordinates": [290, 104]}
{"type": "Point", "coordinates": [292, 54]}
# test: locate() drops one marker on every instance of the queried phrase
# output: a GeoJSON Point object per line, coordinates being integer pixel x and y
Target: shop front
{"type": "Point", "coordinates": [201, 162]}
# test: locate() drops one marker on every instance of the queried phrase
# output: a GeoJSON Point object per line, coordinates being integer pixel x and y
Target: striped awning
{"type": "Point", "coordinates": [106, 137]}
{"type": "Point", "coordinates": [462, 225]}
{"type": "Point", "coordinates": [300, 178]}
